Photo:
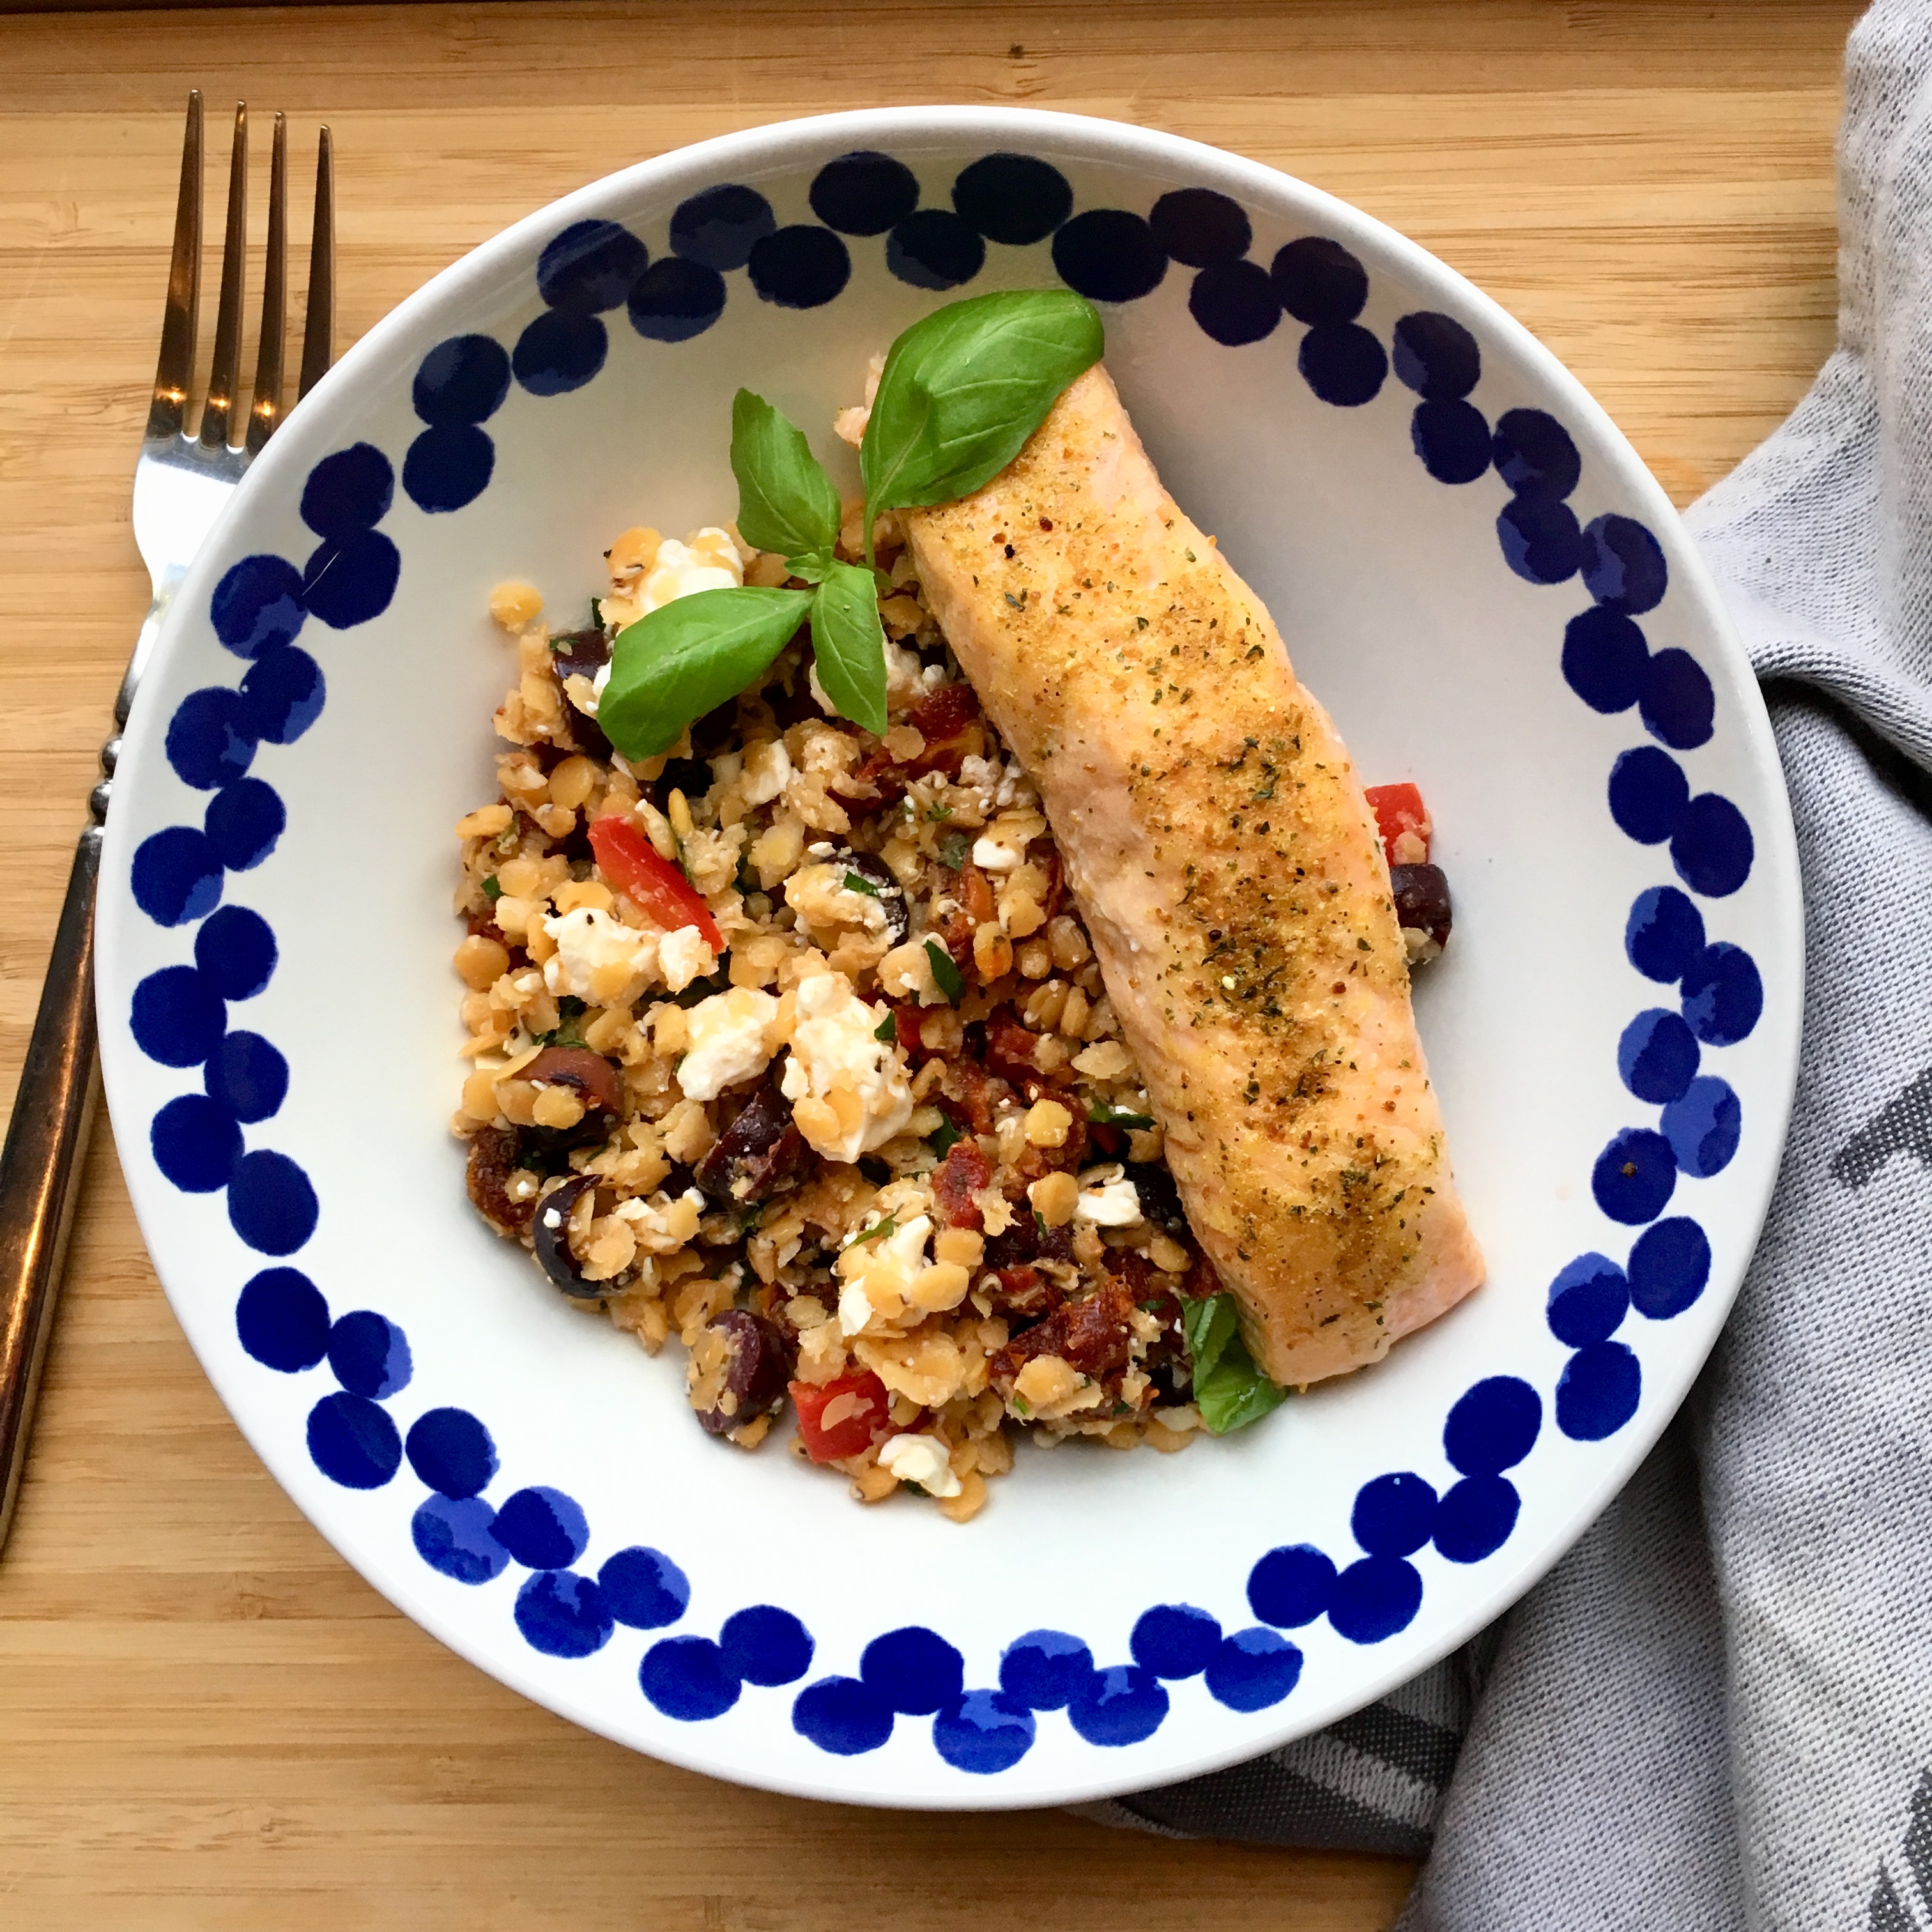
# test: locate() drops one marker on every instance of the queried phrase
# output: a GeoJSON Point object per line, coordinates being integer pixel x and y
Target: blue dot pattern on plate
{"type": "Point", "coordinates": [940, 236]}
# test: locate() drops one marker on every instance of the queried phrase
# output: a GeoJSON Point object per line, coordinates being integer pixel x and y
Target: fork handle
{"type": "Point", "coordinates": [40, 1165]}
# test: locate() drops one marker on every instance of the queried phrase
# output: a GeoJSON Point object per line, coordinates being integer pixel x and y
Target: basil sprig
{"type": "Point", "coordinates": [960, 392]}
{"type": "Point", "coordinates": [1229, 1391]}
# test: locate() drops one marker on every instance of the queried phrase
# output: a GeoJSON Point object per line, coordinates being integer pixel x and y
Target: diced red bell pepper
{"type": "Point", "coordinates": [1398, 808]}
{"type": "Point", "coordinates": [838, 1419]}
{"type": "Point", "coordinates": [630, 863]}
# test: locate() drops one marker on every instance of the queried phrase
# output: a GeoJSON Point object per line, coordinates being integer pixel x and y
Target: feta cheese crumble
{"type": "Point", "coordinates": [685, 957]}
{"type": "Point", "coordinates": [836, 1059]}
{"type": "Point", "coordinates": [923, 1460]}
{"type": "Point", "coordinates": [1108, 1198]}
{"type": "Point", "coordinates": [730, 1041]}
{"type": "Point", "coordinates": [599, 959]}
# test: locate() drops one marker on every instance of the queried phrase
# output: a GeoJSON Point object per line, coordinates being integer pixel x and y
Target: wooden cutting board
{"type": "Point", "coordinates": [207, 1721]}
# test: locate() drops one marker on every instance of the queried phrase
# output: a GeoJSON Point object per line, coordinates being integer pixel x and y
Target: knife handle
{"type": "Point", "coordinates": [46, 1140]}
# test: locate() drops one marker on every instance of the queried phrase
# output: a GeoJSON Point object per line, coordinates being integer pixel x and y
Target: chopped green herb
{"type": "Point", "coordinates": [939, 812]}
{"type": "Point", "coordinates": [857, 882]}
{"type": "Point", "coordinates": [876, 1232]}
{"type": "Point", "coordinates": [942, 1137]}
{"type": "Point", "coordinates": [720, 982]}
{"type": "Point", "coordinates": [493, 889]}
{"type": "Point", "coordinates": [1102, 1115]}
{"type": "Point", "coordinates": [953, 849]}
{"type": "Point", "coordinates": [1229, 1391]}
{"type": "Point", "coordinates": [945, 976]}
{"type": "Point", "coordinates": [888, 1029]}
{"type": "Point", "coordinates": [596, 613]}
{"type": "Point", "coordinates": [1021, 1406]}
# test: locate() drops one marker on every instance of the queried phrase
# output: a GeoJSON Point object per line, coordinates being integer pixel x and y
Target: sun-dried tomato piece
{"type": "Point", "coordinates": [494, 1156]}
{"type": "Point", "coordinates": [969, 1095]}
{"type": "Point", "coordinates": [1093, 1336]}
{"type": "Point", "coordinates": [955, 1180]}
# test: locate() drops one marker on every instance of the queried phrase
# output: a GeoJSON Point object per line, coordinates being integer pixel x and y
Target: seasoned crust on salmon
{"type": "Point", "coordinates": [1218, 842]}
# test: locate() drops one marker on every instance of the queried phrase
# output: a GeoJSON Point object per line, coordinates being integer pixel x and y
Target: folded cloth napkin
{"type": "Point", "coordinates": [1716, 1711]}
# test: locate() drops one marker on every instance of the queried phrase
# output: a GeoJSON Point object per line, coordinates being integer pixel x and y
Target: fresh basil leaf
{"type": "Point", "coordinates": [688, 657]}
{"type": "Point", "coordinates": [962, 390]}
{"type": "Point", "coordinates": [786, 501]}
{"type": "Point", "coordinates": [849, 643]}
{"type": "Point", "coordinates": [945, 976]}
{"type": "Point", "coordinates": [1229, 1391]}
{"type": "Point", "coordinates": [814, 566]}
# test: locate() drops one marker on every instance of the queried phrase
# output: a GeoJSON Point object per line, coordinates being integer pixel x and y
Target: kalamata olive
{"type": "Point", "coordinates": [550, 1237]}
{"type": "Point", "coordinates": [691, 776]}
{"type": "Point", "coordinates": [1160, 1199]}
{"type": "Point", "coordinates": [1422, 902]}
{"type": "Point", "coordinates": [886, 890]}
{"type": "Point", "coordinates": [592, 1079]}
{"type": "Point", "coordinates": [583, 654]}
{"type": "Point", "coordinates": [757, 1152]}
{"type": "Point", "coordinates": [750, 1378]}
{"type": "Point", "coordinates": [494, 1156]}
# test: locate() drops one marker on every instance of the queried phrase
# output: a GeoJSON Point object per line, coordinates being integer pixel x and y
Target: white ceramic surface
{"type": "Point", "coordinates": [1442, 661]}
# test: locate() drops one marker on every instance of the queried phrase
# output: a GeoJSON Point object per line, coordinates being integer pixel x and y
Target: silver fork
{"type": "Point", "coordinates": [181, 482]}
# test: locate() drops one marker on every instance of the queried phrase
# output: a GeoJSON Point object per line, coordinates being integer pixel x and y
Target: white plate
{"type": "Point", "coordinates": [1536, 644]}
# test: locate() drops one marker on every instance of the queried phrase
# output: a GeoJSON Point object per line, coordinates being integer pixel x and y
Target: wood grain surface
{"type": "Point", "coordinates": [207, 1721]}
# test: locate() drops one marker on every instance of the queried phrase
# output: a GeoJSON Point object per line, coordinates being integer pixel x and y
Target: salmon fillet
{"type": "Point", "coordinates": [1218, 843]}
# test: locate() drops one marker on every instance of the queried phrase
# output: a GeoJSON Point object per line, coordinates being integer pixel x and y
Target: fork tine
{"type": "Point", "coordinates": [266, 410]}
{"type": "Point", "coordinates": [221, 379]}
{"type": "Point", "coordinates": [319, 327]}
{"type": "Point", "coordinates": [174, 374]}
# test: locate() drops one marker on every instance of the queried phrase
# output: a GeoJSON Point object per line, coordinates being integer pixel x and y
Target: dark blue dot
{"type": "Point", "coordinates": [1540, 542]}
{"type": "Point", "coordinates": [282, 695]}
{"type": "Point", "coordinates": [1342, 364]}
{"type": "Point", "coordinates": [178, 1016]}
{"type": "Point", "coordinates": [1702, 1127]}
{"type": "Point", "coordinates": [591, 266]}
{"type": "Point", "coordinates": [176, 876]}
{"type": "Point", "coordinates": [463, 380]}
{"type": "Point", "coordinates": [446, 468]}
{"type": "Point", "coordinates": [1437, 357]}
{"type": "Point", "coordinates": [1597, 1392]}
{"type": "Point", "coordinates": [800, 267]}
{"type": "Point", "coordinates": [369, 1355]}
{"type": "Point", "coordinates": [1201, 228]}
{"type": "Point", "coordinates": [559, 352]}
{"type": "Point", "coordinates": [1452, 439]}
{"type": "Point", "coordinates": [258, 602]}
{"type": "Point", "coordinates": [1625, 569]}
{"type": "Point", "coordinates": [1711, 846]}
{"type": "Point", "coordinates": [452, 1536]}
{"type": "Point", "coordinates": [347, 580]}
{"type": "Point", "coordinates": [1476, 1517]}
{"type": "Point", "coordinates": [719, 228]}
{"type": "Point", "coordinates": [986, 1732]}
{"type": "Point", "coordinates": [1120, 1706]}
{"type": "Point", "coordinates": [1291, 1586]}
{"type": "Point", "coordinates": [207, 742]}
{"type": "Point", "coordinates": [1634, 1176]}
{"type": "Point", "coordinates": [1648, 793]}
{"type": "Point", "coordinates": [271, 1205]}
{"type": "Point", "coordinates": [841, 1715]}
{"type": "Point", "coordinates": [1534, 452]}
{"type": "Point", "coordinates": [352, 1442]}
{"type": "Point", "coordinates": [1588, 1301]}
{"type": "Point", "coordinates": [1174, 1640]}
{"type": "Point", "coordinates": [934, 248]}
{"type": "Point", "coordinates": [348, 492]}
{"type": "Point", "coordinates": [1669, 1266]}
{"type": "Point", "coordinates": [542, 1528]}
{"type": "Point", "coordinates": [195, 1143]}
{"type": "Point", "coordinates": [1017, 199]}
{"type": "Point", "coordinates": [248, 1076]}
{"type": "Point", "coordinates": [914, 1670]}
{"type": "Point", "coordinates": [1252, 1670]}
{"type": "Point", "coordinates": [1678, 704]}
{"type": "Point", "coordinates": [1235, 303]}
{"type": "Point", "coordinates": [452, 1451]}
{"type": "Point", "coordinates": [242, 822]}
{"type": "Point", "coordinates": [1493, 1426]}
{"type": "Point", "coordinates": [675, 300]}
{"type": "Point", "coordinates": [1375, 1598]}
{"type": "Point", "coordinates": [282, 1320]}
{"type": "Point", "coordinates": [1605, 659]}
{"type": "Point", "coordinates": [767, 1646]}
{"type": "Point", "coordinates": [1319, 282]}
{"type": "Point", "coordinates": [1664, 935]}
{"type": "Point", "coordinates": [1044, 1668]}
{"type": "Point", "coordinates": [645, 1589]}
{"type": "Point", "coordinates": [1723, 994]}
{"type": "Point", "coordinates": [1108, 255]}
{"type": "Point", "coordinates": [235, 952]}
{"type": "Point", "coordinates": [1658, 1056]}
{"type": "Point", "coordinates": [864, 193]}
{"type": "Point", "coordinates": [1392, 1514]}
{"type": "Point", "coordinates": [562, 1614]}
